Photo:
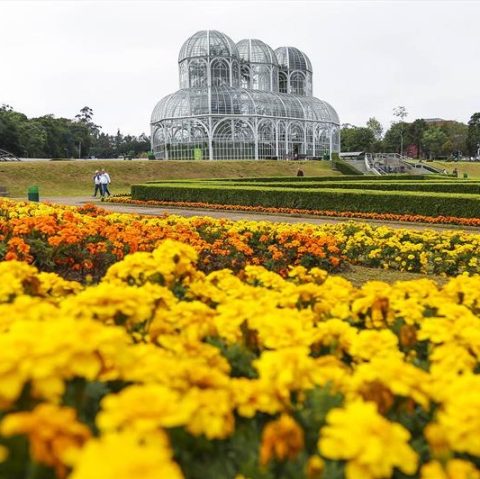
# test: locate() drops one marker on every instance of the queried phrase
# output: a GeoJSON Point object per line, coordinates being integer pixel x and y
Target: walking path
{"type": "Point", "coordinates": [241, 215]}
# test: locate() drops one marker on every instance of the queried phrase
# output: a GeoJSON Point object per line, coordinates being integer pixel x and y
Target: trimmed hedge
{"type": "Point", "coordinates": [345, 168]}
{"type": "Point", "coordinates": [300, 179]}
{"type": "Point", "coordinates": [449, 187]}
{"type": "Point", "coordinates": [355, 200]}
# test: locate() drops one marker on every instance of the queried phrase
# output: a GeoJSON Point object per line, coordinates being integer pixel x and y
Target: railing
{"type": "Point", "coordinates": [7, 156]}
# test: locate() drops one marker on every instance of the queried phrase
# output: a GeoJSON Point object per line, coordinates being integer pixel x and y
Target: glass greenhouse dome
{"type": "Point", "coordinates": [242, 101]}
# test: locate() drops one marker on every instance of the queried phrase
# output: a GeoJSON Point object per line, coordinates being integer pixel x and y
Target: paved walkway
{"type": "Point", "coordinates": [241, 215]}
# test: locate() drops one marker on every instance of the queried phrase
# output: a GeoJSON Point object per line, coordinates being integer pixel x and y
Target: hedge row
{"type": "Point", "coordinates": [413, 203]}
{"type": "Point", "coordinates": [301, 179]}
{"type": "Point", "coordinates": [345, 168]}
{"type": "Point", "coordinates": [445, 187]}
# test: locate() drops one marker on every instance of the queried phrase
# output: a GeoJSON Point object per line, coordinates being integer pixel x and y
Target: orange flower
{"type": "Point", "coordinates": [281, 439]}
{"type": "Point", "coordinates": [53, 432]}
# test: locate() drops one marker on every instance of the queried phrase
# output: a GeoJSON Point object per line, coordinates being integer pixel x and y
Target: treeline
{"type": "Point", "coordinates": [50, 137]}
{"type": "Point", "coordinates": [429, 139]}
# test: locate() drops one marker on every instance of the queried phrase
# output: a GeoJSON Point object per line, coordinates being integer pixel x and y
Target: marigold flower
{"type": "Point", "coordinates": [282, 439]}
{"type": "Point", "coordinates": [453, 469]}
{"type": "Point", "coordinates": [371, 445]}
{"type": "Point", "coordinates": [125, 456]}
{"type": "Point", "coordinates": [52, 431]}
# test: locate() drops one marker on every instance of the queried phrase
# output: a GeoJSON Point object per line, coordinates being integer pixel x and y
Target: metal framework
{"type": "Point", "coordinates": [242, 101]}
{"type": "Point", "coordinates": [7, 156]}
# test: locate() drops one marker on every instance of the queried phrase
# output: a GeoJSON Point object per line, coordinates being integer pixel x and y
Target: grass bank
{"type": "Point", "coordinates": [73, 178]}
{"type": "Point", "coordinates": [471, 168]}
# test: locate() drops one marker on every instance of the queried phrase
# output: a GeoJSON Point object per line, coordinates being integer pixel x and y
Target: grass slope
{"type": "Point", "coordinates": [472, 168]}
{"type": "Point", "coordinates": [73, 178]}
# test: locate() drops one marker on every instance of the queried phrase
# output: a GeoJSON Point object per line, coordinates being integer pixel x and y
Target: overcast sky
{"type": "Point", "coordinates": [120, 57]}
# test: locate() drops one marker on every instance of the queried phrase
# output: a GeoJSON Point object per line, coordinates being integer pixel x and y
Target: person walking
{"type": "Point", "coordinates": [104, 182]}
{"type": "Point", "coordinates": [96, 182]}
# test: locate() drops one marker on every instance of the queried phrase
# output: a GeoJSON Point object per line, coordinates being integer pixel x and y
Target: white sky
{"type": "Point", "coordinates": [120, 57]}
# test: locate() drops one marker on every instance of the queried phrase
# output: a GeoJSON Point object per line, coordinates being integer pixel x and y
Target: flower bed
{"type": "Point", "coordinates": [81, 242]}
{"type": "Point", "coordinates": [165, 371]}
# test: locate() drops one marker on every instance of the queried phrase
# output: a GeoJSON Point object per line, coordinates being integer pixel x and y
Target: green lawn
{"type": "Point", "coordinates": [472, 168]}
{"type": "Point", "coordinates": [73, 178]}
{"type": "Point", "coordinates": [359, 275]}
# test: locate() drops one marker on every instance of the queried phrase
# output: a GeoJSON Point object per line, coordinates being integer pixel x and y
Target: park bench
{"type": "Point", "coordinates": [4, 191]}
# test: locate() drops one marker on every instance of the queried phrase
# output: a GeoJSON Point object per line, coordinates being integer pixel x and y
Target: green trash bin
{"type": "Point", "coordinates": [32, 193]}
{"type": "Point", "coordinates": [465, 175]}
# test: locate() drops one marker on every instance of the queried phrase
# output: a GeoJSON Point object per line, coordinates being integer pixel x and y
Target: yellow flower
{"type": "Point", "coordinates": [172, 261]}
{"type": "Point", "coordinates": [251, 396]}
{"type": "Point", "coordinates": [369, 344]}
{"type": "Point", "coordinates": [46, 353]}
{"type": "Point", "coordinates": [144, 408]}
{"type": "Point", "coordinates": [371, 445]}
{"type": "Point", "coordinates": [3, 453]}
{"type": "Point", "coordinates": [453, 469]}
{"type": "Point", "coordinates": [315, 467]}
{"type": "Point", "coordinates": [383, 378]}
{"type": "Point", "coordinates": [126, 456]}
{"type": "Point", "coordinates": [111, 304]}
{"type": "Point", "coordinates": [372, 307]}
{"type": "Point", "coordinates": [287, 370]}
{"type": "Point", "coordinates": [192, 320]}
{"type": "Point", "coordinates": [458, 415]}
{"type": "Point", "coordinates": [213, 415]}
{"type": "Point", "coordinates": [282, 439]}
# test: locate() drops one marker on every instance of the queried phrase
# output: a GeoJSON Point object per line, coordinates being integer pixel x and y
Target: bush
{"type": "Point", "coordinates": [355, 200]}
{"type": "Point", "coordinates": [345, 167]}
{"type": "Point", "coordinates": [446, 187]}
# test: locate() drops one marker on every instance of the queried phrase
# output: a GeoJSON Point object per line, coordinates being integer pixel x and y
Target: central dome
{"type": "Point", "coordinates": [208, 43]}
{"type": "Point", "coordinates": [256, 51]}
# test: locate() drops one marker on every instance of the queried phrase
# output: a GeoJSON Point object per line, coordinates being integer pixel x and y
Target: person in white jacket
{"type": "Point", "coordinates": [104, 182]}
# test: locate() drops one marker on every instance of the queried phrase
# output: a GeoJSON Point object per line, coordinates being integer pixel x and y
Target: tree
{"type": "Point", "coordinates": [401, 113]}
{"type": "Point", "coordinates": [396, 136]}
{"type": "Point", "coordinates": [357, 139]}
{"type": "Point", "coordinates": [473, 135]}
{"type": "Point", "coordinates": [376, 127]}
{"type": "Point", "coordinates": [433, 140]}
{"type": "Point", "coordinates": [416, 131]}
{"type": "Point", "coordinates": [48, 136]}
{"type": "Point", "coordinates": [9, 134]}
{"type": "Point", "coordinates": [456, 138]}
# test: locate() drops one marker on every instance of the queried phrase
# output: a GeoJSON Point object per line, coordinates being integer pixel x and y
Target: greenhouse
{"type": "Point", "coordinates": [243, 101]}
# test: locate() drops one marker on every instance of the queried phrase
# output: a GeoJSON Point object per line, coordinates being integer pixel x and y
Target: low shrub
{"type": "Point", "coordinates": [345, 168]}
{"type": "Point", "coordinates": [400, 202]}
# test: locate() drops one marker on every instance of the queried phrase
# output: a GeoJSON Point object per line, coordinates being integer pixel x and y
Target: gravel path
{"type": "Point", "coordinates": [240, 215]}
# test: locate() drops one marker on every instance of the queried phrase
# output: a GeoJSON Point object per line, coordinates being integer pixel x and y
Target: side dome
{"type": "Point", "coordinates": [292, 58]}
{"type": "Point", "coordinates": [208, 43]}
{"type": "Point", "coordinates": [255, 51]}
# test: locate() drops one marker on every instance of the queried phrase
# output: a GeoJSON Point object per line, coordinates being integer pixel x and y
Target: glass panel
{"type": "Point", "coordinates": [297, 84]}
{"type": "Point", "coordinates": [198, 73]}
{"type": "Point", "coordinates": [220, 73]}
{"type": "Point", "coordinates": [282, 82]}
